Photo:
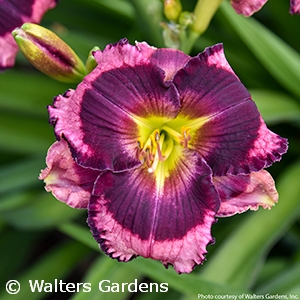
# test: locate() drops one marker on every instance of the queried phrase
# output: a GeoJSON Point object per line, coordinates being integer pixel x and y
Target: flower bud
{"type": "Point", "coordinates": [172, 9]}
{"type": "Point", "coordinates": [48, 53]}
{"type": "Point", "coordinates": [186, 18]}
{"type": "Point", "coordinates": [91, 62]}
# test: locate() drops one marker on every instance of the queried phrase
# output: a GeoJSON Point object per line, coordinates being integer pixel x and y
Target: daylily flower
{"type": "Point", "coordinates": [249, 7]}
{"type": "Point", "coordinates": [156, 144]}
{"type": "Point", "coordinates": [295, 6]}
{"type": "Point", "coordinates": [13, 13]}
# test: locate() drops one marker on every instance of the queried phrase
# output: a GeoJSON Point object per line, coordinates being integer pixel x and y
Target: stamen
{"type": "Point", "coordinates": [159, 143]}
{"type": "Point", "coordinates": [146, 150]}
{"type": "Point", "coordinates": [186, 137]}
{"type": "Point", "coordinates": [158, 154]}
{"type": "Point", "coordinates": [157, 136]}
{"type": "Point", "coordinates": [148, 144]}
{"type": "Point", "coordinates": [148, 158]}
{"type": "Point", "coordinates": [138, 151]}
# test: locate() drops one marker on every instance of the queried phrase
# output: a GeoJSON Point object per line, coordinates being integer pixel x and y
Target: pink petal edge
{"type": "Point", "coordinates": [67, 181]}
{"type": "Point", "coordinates": [239, 193]}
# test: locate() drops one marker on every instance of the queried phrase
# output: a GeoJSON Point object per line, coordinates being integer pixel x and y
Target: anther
{"type": "Point", "coordinates": [186, 137]}
{"type": "Point", "coordinates": [138, 150]}
{"type": "Point", "coordinates": [157, 136]}
{"type": "Point", "coordinates": [158, 154]}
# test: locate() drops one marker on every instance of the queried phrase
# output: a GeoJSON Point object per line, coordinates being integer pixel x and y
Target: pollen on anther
{"type": "Point", "coordinates": [157, 137]}
{"type": "Point", "coordinates": [186, 138]}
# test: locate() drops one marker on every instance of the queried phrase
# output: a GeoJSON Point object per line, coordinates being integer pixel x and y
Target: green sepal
{"type": "Point", "coordinates": [91, 63]}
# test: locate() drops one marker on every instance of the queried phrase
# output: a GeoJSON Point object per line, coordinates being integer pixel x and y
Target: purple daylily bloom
{"type": "Point", "coordinates": [156, 144]}
{"type": "Point", "coordinates": [249, 7]}
{"type": "Point", "coordinates": [13, 13]}
{"type": "Point", "coordinates": [295, 6]}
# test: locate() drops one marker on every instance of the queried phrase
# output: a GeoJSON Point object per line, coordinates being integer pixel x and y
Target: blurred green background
{"type": "Point", "coordinates": [41, 238]}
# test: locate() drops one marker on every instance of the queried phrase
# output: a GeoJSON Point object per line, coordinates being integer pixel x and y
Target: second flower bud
{"type": "Point", "coordinates": [48, 53]}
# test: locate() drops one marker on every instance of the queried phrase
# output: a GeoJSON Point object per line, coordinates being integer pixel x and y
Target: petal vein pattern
{"type": "Point", "coordinates": [99, 120]}
{"type": "Point", "coordinates": [231, 140]}
{"type": "Point", "coordinates": [68, 182]}
{"type": "Point", "coordinates": [171, 142]}
{"type": "Point", "coordinates": [239, 193]}
{"type": "Point", "coordinates": [173, 217]}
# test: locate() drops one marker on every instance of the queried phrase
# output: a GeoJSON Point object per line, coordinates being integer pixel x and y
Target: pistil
{"type": "Point", "coordinates": [160, 144]}
{"type": "Point", "coordinates": [159, 139]}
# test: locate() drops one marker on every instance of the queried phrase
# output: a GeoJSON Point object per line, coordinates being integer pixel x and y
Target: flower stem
{"type": "Point", "coordinates": [188, 40]}
{"type": "Point", "coordinates": [149, 15]}
{"type": "Point", "coordinates": [204, 11]}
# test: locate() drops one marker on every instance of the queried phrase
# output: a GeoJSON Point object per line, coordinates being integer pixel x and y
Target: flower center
{"type": "Point", "coordinates": [160, 144]}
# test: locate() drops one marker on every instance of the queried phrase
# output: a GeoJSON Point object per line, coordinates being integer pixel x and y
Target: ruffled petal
{"type": "Point", "coordinates": [239, 193]}
{"type": "Point", "coordinates": [100, 119]}
{"type": "Point", "coordinates": [8, 51]}
{"type": "Point", "coordinates": [208, 85]}
{"type": "Point", "coordinates": [170, 60]}
{"type": "Point", "coordinates": [247, 7]}
{"type": "Point", "coordinates": [14, 13]}
{"type": "Point", "coordinates": [295, 7]}
{"type": "Point", "coordinates": [130, 215]}
{"type": "Point", "coordinates": [232, 144]}
{"type": "Point", "coordinates": [67, 181]}
{"type": "Point", "coordinates": [133, 83]}
{"type": "Point", "coordinates": [232, 138]}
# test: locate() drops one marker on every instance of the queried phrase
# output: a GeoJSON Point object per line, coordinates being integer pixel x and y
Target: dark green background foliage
{"type": "Point", "coordinates": [42, 238]}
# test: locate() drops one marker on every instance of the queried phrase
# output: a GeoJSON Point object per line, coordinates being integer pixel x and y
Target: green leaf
{"type": "Point", "coordinates": [189, 284]}
{"type": "Point", "coordinates": [276, 107]}
{"type": "Point", "coordinates": [272, 266]}
{"type": "Point", "coordinates": [283, 282]}
{"type": "Point", "coordinates": [55, 264]}
{"type": "Point", "coordinates": [170, 295]}
{"type": "Point", "coordinates": [15, 201]}
{"type": "Point", "coordinates": [148, 17]}
{"type": "Point", "coordinates": [294, 292]}
{"type": "Point", "coordinates": [28, 93]}
{"type": "Point", "coordinates": [282, 61]}
{"type": "Point", "coordinates": [252, 238]}
{"type": "Point", "coordinates": [101, 22]}
{"type": "Point", "coordinates": [79, 233]}
{"type": "Point", "coordinates": [44, 211]}
{"type": "Point", "coordinates": [12, 262]}
{"type": "Point", "coordinates": [20, 174]}
{"type": "Point", "coordinates": [186, 284]}
{"type": "Point", "coordinates": [124, 8]}
{"type": "Point", "coordinates": [24, 134]}
{"type": "Point", "coordinates": [103, 273]}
